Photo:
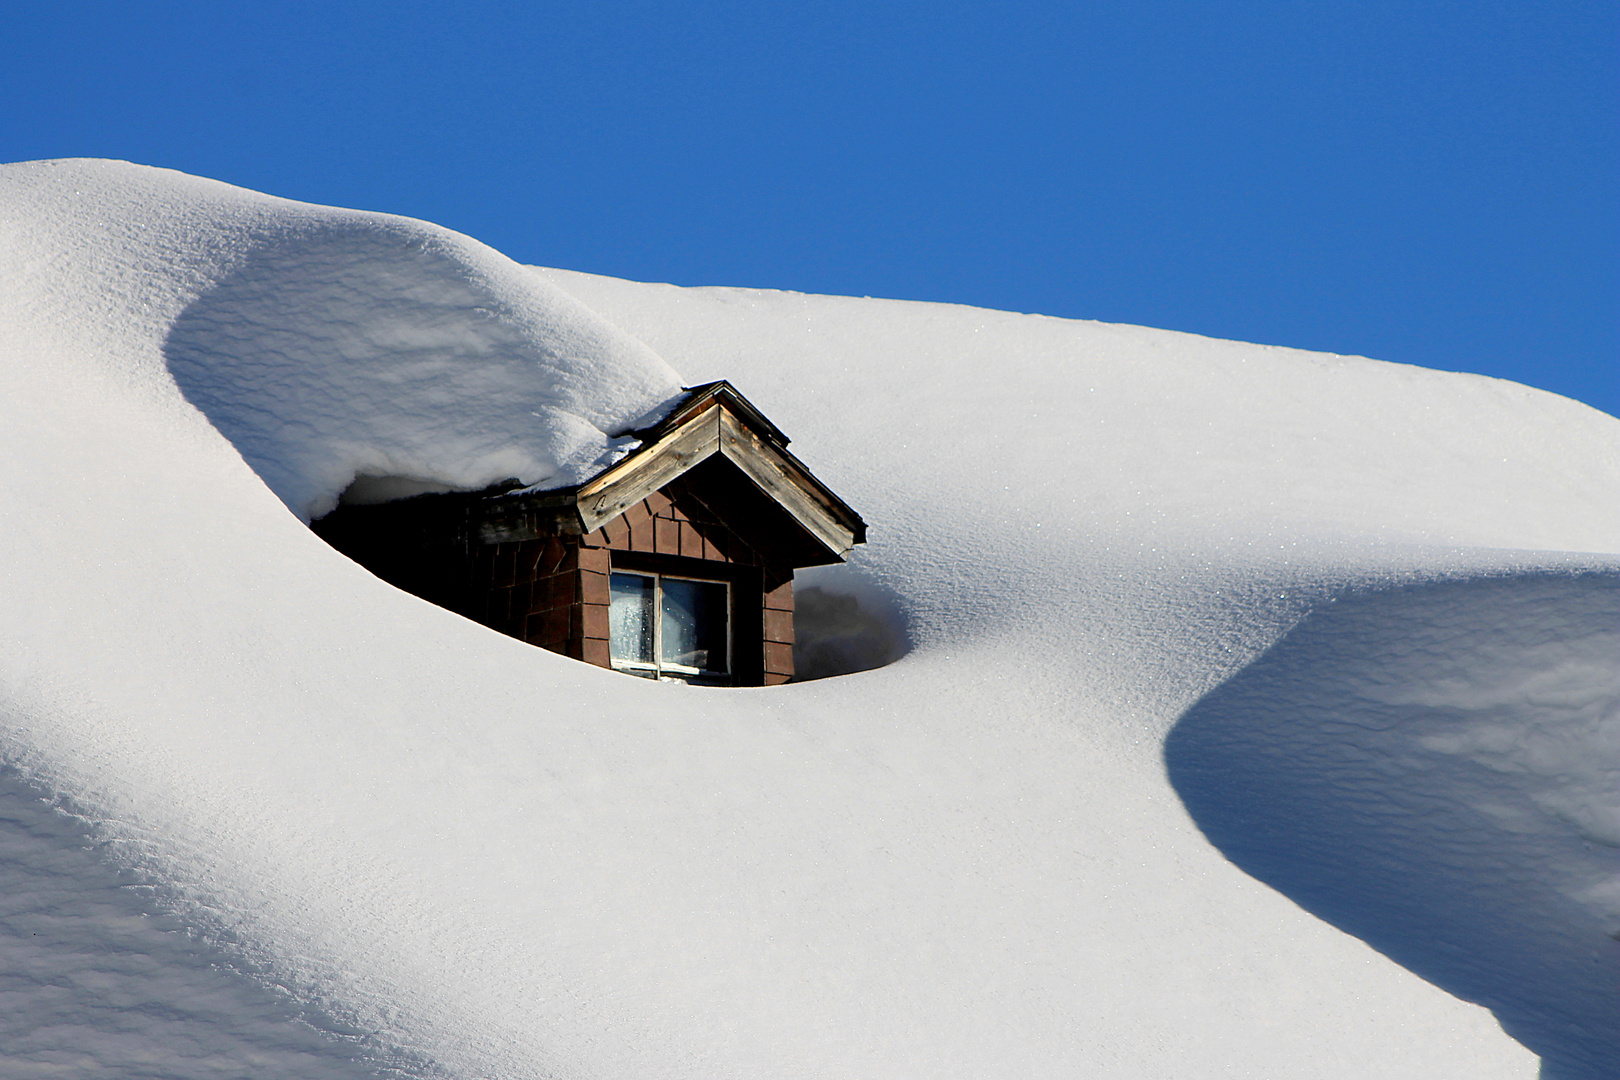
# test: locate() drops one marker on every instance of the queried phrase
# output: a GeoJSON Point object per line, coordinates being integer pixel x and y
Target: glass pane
{"type": "Point", "coordinates": [695, 624]}
{"type": "Point", "coordinates": [630, 622]}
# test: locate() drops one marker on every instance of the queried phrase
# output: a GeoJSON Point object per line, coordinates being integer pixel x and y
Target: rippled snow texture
{"type": "Point", "coordinates": [334, 826]}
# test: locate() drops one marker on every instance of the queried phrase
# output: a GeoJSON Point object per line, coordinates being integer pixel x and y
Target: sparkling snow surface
{"type": "Point", "coordinates": [264, 815]}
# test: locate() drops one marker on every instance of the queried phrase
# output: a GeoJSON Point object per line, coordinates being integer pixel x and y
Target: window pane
{"type": "Point", "coordinates": [630, 619]}
{"type": "Point", "coordinates": [695, 624]}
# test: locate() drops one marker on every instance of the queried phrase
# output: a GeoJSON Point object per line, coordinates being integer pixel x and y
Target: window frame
{"type": "Point", "coordinates": [659, 669]}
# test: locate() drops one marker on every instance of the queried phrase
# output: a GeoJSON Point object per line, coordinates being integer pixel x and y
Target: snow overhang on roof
{"type": "Point", "coordinates": [712, 421]}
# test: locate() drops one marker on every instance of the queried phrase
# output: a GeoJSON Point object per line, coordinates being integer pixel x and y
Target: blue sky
{"type": "Point", "coordinates": [1427, 182]}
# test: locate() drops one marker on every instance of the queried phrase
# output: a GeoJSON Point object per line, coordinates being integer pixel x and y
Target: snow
{"type": "Point", "coordinates": [328, 344]}
{"type": "Point", "coordinates": [1259, 718]}
{"type": "Point", "coordinates": [1317, 769]}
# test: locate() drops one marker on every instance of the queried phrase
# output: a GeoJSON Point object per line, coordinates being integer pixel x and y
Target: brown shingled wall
{"type": "Point", "coordinates": [550, 592]}
{"type": "Point", "coordinates": [677, 524]}
{"type": "Point", "coordinates": [778, 612]}
{"type": "Point", "coordinates": [553, 591]}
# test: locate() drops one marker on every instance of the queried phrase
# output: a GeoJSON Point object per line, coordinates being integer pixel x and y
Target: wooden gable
{"type": "Point", "coordinates": [808, 524]}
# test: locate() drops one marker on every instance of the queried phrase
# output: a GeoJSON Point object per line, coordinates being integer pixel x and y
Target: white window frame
{"type": "Point", "coordinates": [659, 669]}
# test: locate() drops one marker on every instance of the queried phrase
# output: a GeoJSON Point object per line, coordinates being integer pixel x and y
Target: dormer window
{"type": "Point", "coordinates": [676, 562]}
{"type": "Point", "coordinates": [666, 627]}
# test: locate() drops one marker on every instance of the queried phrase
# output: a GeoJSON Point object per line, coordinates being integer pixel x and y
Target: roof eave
{"type": "Point", "coordinates": [714, 419]}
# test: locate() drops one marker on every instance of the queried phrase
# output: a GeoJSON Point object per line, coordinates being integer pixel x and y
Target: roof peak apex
{"type": "Point", "coordinates": [697, 398]}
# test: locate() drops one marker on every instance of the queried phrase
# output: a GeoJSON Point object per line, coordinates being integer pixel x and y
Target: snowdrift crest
{"type": "Point", "coordinates": [328, 344]}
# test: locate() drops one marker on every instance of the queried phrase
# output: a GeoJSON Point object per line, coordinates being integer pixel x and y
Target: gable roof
{"type": "Point", "coordinates": [714, 421]}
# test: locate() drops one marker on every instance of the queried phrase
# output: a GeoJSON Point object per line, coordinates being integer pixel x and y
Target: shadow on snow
{"type": "Point", "coordinates": [1432, 769]}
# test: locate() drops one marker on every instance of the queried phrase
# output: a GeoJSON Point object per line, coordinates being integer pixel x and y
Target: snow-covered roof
{"type": "Point", "coordinates": [269, 816]}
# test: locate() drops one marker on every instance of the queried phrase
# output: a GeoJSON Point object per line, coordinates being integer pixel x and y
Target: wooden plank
{"type": "Point", "coordinates": [780, 598]}
{"type": "Point", "coordinates": [765, 466]}
{"type": "Point", "coordinates": [714, 429]}
{"type": "Point", "coordinates": [691, 542]}
{"type": "Point", "coordinates": [778, 658]}
{"type": "Point", "coordinates": [706, 396]}
{"type": "Point", "coordinates": [666, 536]}
{"type": "Point", "coordinates": [649, 469]}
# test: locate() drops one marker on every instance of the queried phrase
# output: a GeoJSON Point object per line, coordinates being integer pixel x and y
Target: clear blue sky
{"type": "Point", "coordinates": [1429, 182]}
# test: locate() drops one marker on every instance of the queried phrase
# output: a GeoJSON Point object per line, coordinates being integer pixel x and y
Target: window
{"type": "Point", "coordinates": [663, 627]}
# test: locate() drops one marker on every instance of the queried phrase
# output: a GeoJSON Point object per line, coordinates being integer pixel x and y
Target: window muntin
{"type": "Point", "coordinates": [664, 627]}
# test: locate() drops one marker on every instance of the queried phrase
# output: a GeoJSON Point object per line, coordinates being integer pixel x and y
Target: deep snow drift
{"type": "Point", "coordinates": [268, 816]}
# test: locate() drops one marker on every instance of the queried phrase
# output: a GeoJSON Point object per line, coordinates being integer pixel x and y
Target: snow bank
{"type": "Point", "coordinates": [1437, 770]}
{"type": "Point", "coordinates": [414, 846]}
{"type": "Point", "coordinates": [1153, 510]}
{"type": "Point", "coordinates": [327, 344]}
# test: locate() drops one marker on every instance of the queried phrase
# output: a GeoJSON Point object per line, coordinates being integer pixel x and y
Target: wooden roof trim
{"type": "Point", "coordinates": [716, 419]}
{"type": "Point", "coordinates": [705, 395]}
{"type": "Point", "coordinates": [649, 468]}
{"type": "Point", "coordinates": [779, 475]}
